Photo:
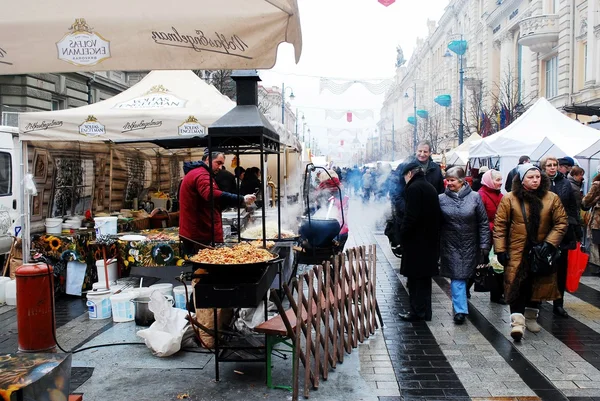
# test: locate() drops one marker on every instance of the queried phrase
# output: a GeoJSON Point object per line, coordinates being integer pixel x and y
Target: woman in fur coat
{"type": "Point", "coordinates": [547, 221]}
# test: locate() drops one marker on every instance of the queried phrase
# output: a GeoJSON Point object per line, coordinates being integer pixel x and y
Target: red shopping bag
{"type": "Point", "coordinates": [577, 261]}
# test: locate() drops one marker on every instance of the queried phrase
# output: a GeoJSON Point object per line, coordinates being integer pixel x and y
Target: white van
{"type": "Point", "coordinates": [10, 192]}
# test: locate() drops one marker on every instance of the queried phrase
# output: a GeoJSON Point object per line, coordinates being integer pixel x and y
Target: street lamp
{"type": "Point", "coordinates": [459, 47]}
{"type": "Point", "coordinates": [283, 88]}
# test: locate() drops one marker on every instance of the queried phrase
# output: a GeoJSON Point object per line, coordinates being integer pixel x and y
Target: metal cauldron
{"type": "Point", "coordinates": [319, 232]}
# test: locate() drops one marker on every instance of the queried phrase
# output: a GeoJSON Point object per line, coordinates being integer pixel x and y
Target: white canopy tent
{"type": "Point", "coordinates": [77, 36]}
{"type": "Point", "coordinates": [460, 154]}
{"type": "Point", "coordinates": [540, 130]}
{"type": "Point", "coordinates": [164, 104]}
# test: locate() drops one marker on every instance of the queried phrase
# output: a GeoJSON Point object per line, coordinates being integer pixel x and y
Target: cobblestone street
{"type": "Point", "coordinates": [434, 360]}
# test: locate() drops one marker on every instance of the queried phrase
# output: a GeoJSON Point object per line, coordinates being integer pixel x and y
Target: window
{"type": "Point", "coordinates": [555, 6]}
{"type": "Point", "coordinates": [5, 174]}
{"type": "Point", "coordinates": [73, 186]}
{"type": "Point", "coordinates": [58, 104]}
{"type": "Point", "coordinates": [552, 77]}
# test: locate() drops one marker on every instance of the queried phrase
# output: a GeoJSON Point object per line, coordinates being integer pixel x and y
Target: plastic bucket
{"type": "Point", "coordinates": [106, 225]}
{"type": "Point", "coordinates": [10, 289]}
{"type": "Point", "coordinates": [112, 272]}
{"type": "Point", "coordinates": [180, 301]}
{"type": "Point", "coordinates": [164, 288]}
{"type": "Point", "coordinates": [98, 303]}
{"type": "Point", "coordinates": [123, 310]}
{"type": "Point", "coordinates": [3, 282]}
{"type": "Point", "coordinates": [53, 226]}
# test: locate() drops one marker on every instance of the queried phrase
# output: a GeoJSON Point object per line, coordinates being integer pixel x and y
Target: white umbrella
{"type": "Point", "coordinates": [75, 35]}
{"type": "Point", "coordinates": [165, 104]}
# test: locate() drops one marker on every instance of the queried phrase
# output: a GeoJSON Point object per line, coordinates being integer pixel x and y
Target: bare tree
{"type": "Point", "coordinates": [220, 79]}
{"type": "Point", "coordinates": [430, 129]}
{"type": "Point", "coordinates": [507, 104]}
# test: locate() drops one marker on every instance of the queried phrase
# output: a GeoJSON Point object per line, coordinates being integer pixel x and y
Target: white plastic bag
{"type": "Point", "coordinates": [164, 336]}
{"type": "Point", "coordinates": [29, 185]}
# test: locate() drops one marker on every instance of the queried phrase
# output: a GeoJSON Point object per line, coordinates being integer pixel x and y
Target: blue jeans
{"type": "Point", "coordinates": [458, 289]}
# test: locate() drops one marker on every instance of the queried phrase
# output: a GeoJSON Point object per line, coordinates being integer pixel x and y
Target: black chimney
{"type": "Point", "coordinates": [246, 84]}
{"type": "Point", "coordinates": [244, 125]}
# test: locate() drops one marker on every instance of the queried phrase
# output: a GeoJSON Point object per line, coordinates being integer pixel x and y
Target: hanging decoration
{"type": "Point", "coordinates": [342, 131]}
{"type": "Point", "coordinates": [411, 120]}
{"type": "Point", "coordinates": [337, 88]}
{"type": "Point", "coordinates": [423, 113]}
{"type": "Point", "coordinates": [349, 116]}
{"type": "Point", "coordinates": [443, 100]}
{"type": "Point", "coordinates": [358, 113]}
{"type": "Point", "coordinates": [387, 3]}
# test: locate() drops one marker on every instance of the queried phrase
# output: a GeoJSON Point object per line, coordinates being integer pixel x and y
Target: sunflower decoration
{"type": "Point", "coordinates": [54, 244]}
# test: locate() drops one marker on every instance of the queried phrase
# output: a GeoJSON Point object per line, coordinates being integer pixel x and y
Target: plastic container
{"type": "Point", "coordinates": [123, 310]}
{"type": "Point", "coordinates": [3, 281]}
{"type": "Point", "coordinates": [164, 288]}
{"type": "Point", "coordinates": [106, 225]}
{"type": "Point", "coordinates": [112, 272]}
{"type": "Point", "coordinates": [98, 303]}
{"type": "Point", "coordinates": [10, 291]}
{"type": "Point", "coordinates": [53, 226]}
{"type": "Point", "coordinates": [180, 301]}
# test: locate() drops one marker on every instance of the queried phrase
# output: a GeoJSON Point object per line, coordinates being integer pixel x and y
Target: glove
{"type": "Point", "coordinates": [249, 199]}
{"type": "Point", "coordinates": [483, 255]}
{"type": "Point", "coordinates": [545, 250]}
{"type": "Point", "coordinates": [502, 258]}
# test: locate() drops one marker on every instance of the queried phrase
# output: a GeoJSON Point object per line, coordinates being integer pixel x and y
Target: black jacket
{"type": "Point", "coordinates": [249, 185]}
{"type": "Point", "coordinates": [562, 187]}
{"type": "Point", "coordinates": [420, 229]}
{"type": "Point", "coordinates": [509, 179]}
{"type": "Point", "coordinates": [433, 175]}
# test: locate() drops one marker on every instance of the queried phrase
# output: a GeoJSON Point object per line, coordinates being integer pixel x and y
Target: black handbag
{"type": "Point", "coordinates": [485, 278]}
{"type": "Point", "coordinates": [539, 265]}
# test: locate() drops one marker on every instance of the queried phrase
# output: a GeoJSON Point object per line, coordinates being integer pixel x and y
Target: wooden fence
{"type": "Point", "coordinates": [338, 310]}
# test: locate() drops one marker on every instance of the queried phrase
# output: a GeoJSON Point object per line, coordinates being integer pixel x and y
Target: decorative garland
{"type": "Point", "coordinates": [338, 88]}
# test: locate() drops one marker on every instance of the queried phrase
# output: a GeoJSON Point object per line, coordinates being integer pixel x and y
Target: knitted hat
{"type": "Point", "coordinates": [522, 169]}
{"type": "Point", "coordinates": [566, 161]}
{"type": "Point", "coordinates": [410, 166]}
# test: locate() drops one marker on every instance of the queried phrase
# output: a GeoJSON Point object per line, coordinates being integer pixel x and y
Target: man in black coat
{"type": "Point", "coordinates": [420, 236]}
{"type": "Point", "coordinates": [432, 171]}
{"type": "Point", "coordinates": [511, 174]}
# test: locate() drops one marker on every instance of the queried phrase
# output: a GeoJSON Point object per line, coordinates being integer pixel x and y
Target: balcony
{"type": "Point", "coordinates": [539, 33]}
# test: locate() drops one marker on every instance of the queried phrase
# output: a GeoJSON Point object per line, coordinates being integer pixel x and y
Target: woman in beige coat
{"type": "Point", "coordinates": [546, 217]}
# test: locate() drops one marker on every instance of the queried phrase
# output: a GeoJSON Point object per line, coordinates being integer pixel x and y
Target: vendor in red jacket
{"type": "Point", "coordinates": [195, 217]}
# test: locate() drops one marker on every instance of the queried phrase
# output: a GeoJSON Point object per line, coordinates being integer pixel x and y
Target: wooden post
{"type": "Point", "coordinates": [318, 302]}
{"type": "Point", "coordinates": [338, 351]}
{"type": "Point", "coordinates": [309, 312]}
{"type": "Point", "coordinates": [298, 342]}
{"type": "Point", "coordinates": [328, 302]}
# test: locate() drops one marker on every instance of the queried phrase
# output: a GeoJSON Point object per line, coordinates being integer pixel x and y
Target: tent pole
{"type": "Point", "coordinates": [25, 215]}
{"type": "Point", "coordinates": [110, 178]}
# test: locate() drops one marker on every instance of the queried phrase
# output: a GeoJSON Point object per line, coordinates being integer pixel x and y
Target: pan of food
{"type": "Point", "coordinates": [256, 233]}
{"type": "Point", "coordinates": [233, 260]}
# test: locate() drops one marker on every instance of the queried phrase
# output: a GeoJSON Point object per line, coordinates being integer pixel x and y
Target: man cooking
{"type": "Point", "coordinates": [196, 208]}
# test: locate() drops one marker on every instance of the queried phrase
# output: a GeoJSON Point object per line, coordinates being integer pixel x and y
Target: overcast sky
{"type": "Point", "coordinates": [348, 39]}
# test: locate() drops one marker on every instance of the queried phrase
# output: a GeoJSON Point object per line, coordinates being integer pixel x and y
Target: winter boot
{"type": "Point", "coordinates": [531, 315]}
{"type": "Point", "coordinates": [517, 324]}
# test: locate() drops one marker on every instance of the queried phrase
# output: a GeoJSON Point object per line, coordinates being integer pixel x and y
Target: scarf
{"type": "Point", "coordinates": [331, 184]}
{"type": "Point", "coordinates": [488, 180]}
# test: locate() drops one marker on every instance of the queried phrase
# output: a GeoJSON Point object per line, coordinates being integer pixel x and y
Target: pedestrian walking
{"type": "Point", "coordinates": [367, 184]}
{"type": "Point", "coordinates": [512, 173]}
{"type": "Point", "coordinates": [576, 178]}
{"type": "Point", "coordinates": [420, 236]}
{"type": "Point", "coordinates": [491, 183]}
{"type": "Point", "coordinates": [591, 202]}
{"type": "Point", "coordinates": [560, 185]}
{"type": "Point", "coordinates": [565, 165]}
{"type": "Point", "coordinates": [432, 171]}
{"type": "Point", "coordinates": [465, 237]}
{"type": "Point", "coordinates": [546, 221]}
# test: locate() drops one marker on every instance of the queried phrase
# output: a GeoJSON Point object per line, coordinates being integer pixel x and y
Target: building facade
{"type": "Point", "coordinates": [269, 103]}
{"type": "Point", "coordinates": [515, 51]}
{"type": "Point", "coordinates": [43, 92]}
